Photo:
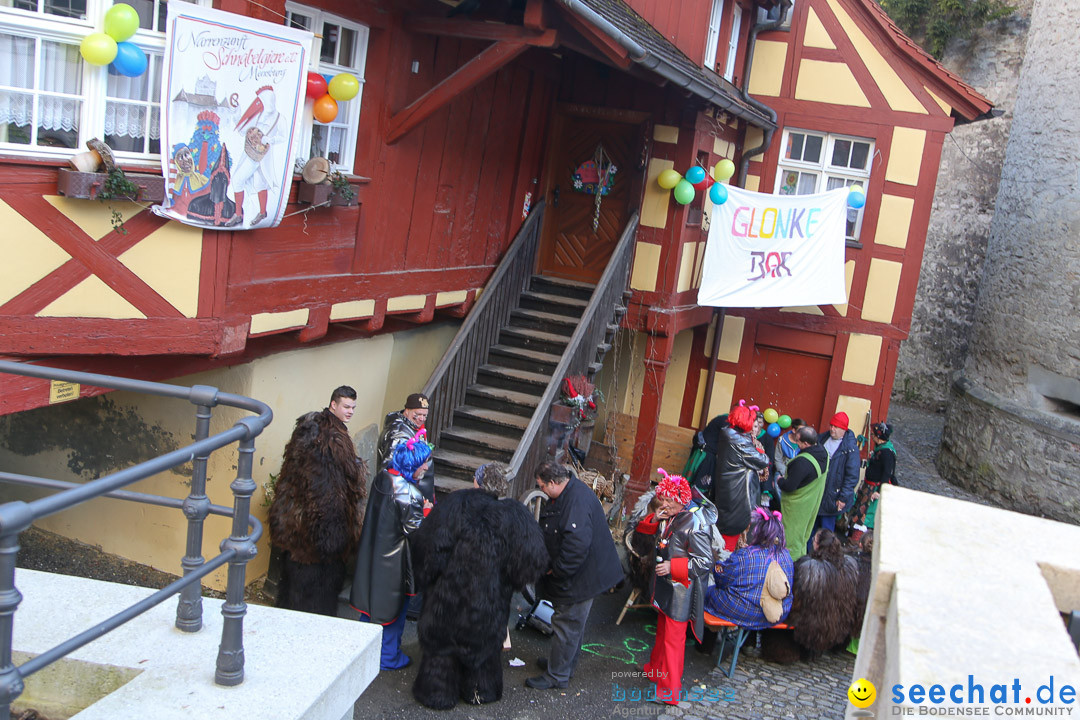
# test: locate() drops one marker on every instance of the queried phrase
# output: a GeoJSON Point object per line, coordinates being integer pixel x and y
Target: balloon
{"type": "Point", "coordinates": [695, 174]}
{"type": "Point", "coordinates": [724, 170]}
{"type": "Point", "coordinates": [98, 49]}
{"type": "Point", "coordinates": [718, 194]}
{"type": "Point", "coordinates": [325, 109]}
{"type": "Point", "coordinates": [316, 85]}
{"type": "Point", "coordinates": [684, 192]}
{"type": "Point", "coordinates": [668, 179]}
{"type": "Point", "coordinates": [344, 87]}
{"type": "Point", "coordinates": [773, 430]}
{"type": "Point", "coordinates": [784, 422]}
{"type": "Point", "coordinates": [856, 197]}
{"type": "Point", "coordinates": [130, 60]}
{"type": "Point", "coordinates": [121, 22]}
{"type": "Point", "coordinates": [771, 415]}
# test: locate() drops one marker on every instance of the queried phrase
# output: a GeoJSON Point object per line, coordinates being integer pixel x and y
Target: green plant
{"type": "Point", "coordinates": [934, 23]}
{"type": "Point", "coordinates": [341, 185]}
{"type": "Point", "coordinates": [117, 187]}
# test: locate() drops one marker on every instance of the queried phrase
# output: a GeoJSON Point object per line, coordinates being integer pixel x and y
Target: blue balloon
{"type": "Point", "coordinates": [718, 194]}
{"type": "Point", "coordinates": [856, 197]}
{"type": "Point", "coordinates": [695, 175]}
{"type": "Point", "coordinates": [773, 430]}
{"type": "Point", "coordinates": [130, 59]}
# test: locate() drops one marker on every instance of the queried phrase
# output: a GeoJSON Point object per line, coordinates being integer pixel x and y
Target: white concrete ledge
{"type": "Point", "coordinates": [297, 665]}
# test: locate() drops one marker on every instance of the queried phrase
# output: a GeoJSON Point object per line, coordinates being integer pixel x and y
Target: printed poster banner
{"type": "Point", "coordinates": [775, 250]}
{"type": "Point", "coordinates": [231, 93]}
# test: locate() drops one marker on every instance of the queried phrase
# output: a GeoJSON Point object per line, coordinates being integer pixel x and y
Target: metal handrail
{"type": "Point", "coordinates": [458, 367]}
{"type": "Point", "coordinates": [579, 353]}
{"type": "Point", "coordinates": [236, 550]}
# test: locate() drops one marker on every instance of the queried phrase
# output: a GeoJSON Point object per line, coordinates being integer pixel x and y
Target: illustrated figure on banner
{"type": "Point", "coordinates": [263, 127]}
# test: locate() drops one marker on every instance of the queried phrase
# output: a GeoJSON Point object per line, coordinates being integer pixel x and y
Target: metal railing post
{"type": "Point", "coordinates": [15, 517]}
{"type": "Point", "coordinates": [230, 661]}
{"type": "Point", "coordinates": [196, 508]}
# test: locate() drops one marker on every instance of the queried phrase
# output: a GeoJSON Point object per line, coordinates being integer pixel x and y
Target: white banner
{"type": "Point", "coordinates": [232, 91]}
{"type": "Point", "coordinates": [775, 250]}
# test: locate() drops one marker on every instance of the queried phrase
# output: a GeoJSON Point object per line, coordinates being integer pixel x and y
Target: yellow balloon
{"type": "Point", "coordinates": [668, 179]}
{"type": "Point", "coordinates": [98, 49]}
{"type": "Point", "coordinates": [343, 87]}
{"type": "Point", "coordinates": [724, 170]}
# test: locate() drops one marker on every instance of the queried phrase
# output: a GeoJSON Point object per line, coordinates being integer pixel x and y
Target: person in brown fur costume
{"type": "Point", "coordinates": [318, 506]}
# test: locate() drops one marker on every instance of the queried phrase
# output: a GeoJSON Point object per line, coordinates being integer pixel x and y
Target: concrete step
{"type": "Point", "coordinates": [501, 399]}
{"type": "Point", "coordinates": [531, 339]}
{"type": "Point", "coordinates": [521, 381]}
{"type": "Point", "coordinates": [561, 286]}
{"type": "Point", "coordinates": [546, 321]}
{"type": "Point", "coordinates": [469, 441]}
{"type": "Point", "coordinates": [548, 302]}
{"type": "Point", "coordinates": [523, 359]}
{"type": "Point", "coordinates": [455, 470]}
{"type": "Point", "coordinates": [491, 421]}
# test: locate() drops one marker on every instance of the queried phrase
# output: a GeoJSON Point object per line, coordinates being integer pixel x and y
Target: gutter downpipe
{"type": "Point", "coordinates": [642, 56]}
{"type": "Point", "coordinates": [744, 164]}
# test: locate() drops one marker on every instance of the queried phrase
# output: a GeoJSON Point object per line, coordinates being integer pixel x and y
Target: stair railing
{"type": "Point", "coordinates": [236, 550]}
{"type": "Point", "coordinates": [590, 333]}
{"type": "Point", "coordinates": [501, 296]}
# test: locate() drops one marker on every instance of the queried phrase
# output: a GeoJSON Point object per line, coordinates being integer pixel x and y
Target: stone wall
{"type": "Point", "coordinates": [960, 219]}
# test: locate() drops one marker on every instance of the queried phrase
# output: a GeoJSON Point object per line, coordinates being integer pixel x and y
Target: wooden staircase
{"type": "Point", "coordinates": [489, 424]}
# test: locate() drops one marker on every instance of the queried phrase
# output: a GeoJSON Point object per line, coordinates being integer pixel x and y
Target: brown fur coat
{"type": "Point", "coordinates": [318, 502]}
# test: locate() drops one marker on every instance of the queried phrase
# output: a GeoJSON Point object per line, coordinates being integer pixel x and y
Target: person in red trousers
{"type": "Point", "coordinates": [683, 526]}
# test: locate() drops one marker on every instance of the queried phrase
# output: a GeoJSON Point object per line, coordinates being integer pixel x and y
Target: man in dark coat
{"type": "Point", "coordinates": [843, 451]}
{"type": "Point", "coordinates": [317, 510]}
{"type": "Point", "coordinates": [584, 564]}
{"type": "Point", "coordinates": [399, 427]}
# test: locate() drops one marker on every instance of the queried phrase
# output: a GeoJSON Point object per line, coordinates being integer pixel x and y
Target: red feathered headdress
{"type": "Point", "coordinates": [742, 417]}
{"type": "Point", "coordinates": [674, 487]}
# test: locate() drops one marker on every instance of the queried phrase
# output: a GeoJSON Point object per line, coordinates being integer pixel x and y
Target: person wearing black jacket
{"type": "Point", "coordinates": [584, 564]}
{"type": "Point", "coordinates": [802, 489]}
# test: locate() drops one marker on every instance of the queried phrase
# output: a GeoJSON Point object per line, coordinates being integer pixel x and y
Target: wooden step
{"type": "Point", "coordinates": [470, 441]}
{"type": "Point", "coordinates": [523, 359]}
{"type": "Point", "coordinates": [561, 286]}
{"type": "Point", "coordinates": [548, 302]}
{"type": "Point", "coordinates": [531, 339]}
{"type": "Point", "coordinates": [491, 421]}
{"type": "Point", "coordinates": [501, 399]}
{"type": "Point", "coordinates": [513, 379]}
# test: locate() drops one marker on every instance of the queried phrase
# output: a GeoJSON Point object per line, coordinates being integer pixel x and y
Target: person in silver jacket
{"type": "Point", "coordinates": [684, 563]}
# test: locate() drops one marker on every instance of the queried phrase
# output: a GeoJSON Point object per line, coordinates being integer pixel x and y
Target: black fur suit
{"type": "Point", "coordinates": [469, 555]}
{"type": "Point", "coordinates": [317, 511]}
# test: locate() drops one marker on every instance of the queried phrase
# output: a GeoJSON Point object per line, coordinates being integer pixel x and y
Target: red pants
{"type": "Point", "coordinates": [665, 664]}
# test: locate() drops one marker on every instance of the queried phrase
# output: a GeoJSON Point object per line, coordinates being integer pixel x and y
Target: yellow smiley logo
{"type": "Point", "coordinates": [862, 693]}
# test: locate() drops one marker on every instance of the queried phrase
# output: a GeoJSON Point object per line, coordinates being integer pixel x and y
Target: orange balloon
{"type": "Point", "coordinates": [325, 109]}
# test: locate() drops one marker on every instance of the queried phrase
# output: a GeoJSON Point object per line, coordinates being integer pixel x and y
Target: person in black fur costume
{"type": "Point", "coordinates": [318, 507]}
{"type": "Point", "coordinates": [469, 556]}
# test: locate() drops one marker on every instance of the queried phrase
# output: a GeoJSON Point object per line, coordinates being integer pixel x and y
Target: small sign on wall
{"type": "Point", "coordinates": [60, 391]}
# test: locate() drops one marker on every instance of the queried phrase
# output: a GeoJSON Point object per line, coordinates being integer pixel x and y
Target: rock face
{"type": "Point", "coordinates": [1013, 426]}
{"type": "Point", "coordinates": [967, 187]}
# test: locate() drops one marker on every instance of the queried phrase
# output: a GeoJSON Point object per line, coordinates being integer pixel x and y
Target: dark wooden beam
{"type": "Point", "coordinates": [473, 30]}
{"type": "Point", "coordinates": [464, 78]}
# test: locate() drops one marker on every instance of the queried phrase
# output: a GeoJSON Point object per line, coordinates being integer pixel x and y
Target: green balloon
{"type": "Point", "coordinates": [121, 22]}
{"type": "Point", "coordinates": [684, 192]}
{"type": "Point", "coordinates": [784, 421]}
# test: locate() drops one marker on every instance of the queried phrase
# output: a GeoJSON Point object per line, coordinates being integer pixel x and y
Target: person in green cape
{"type": "Point", "coordinates": [801, 490]}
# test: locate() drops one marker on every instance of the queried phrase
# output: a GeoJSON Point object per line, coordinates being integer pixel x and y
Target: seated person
{"type": "Point", "coordinates": [753, 586]}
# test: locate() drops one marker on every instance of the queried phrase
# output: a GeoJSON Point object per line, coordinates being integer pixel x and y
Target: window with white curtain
{"type": "Point", "coordinates": [817, 162]}
{"type": "Point", "coordinates": [341, 47]}
{"type": "Point", "coordinates": [51, 101]}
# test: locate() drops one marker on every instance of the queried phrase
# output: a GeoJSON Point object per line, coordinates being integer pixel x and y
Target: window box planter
{"type": "Point", "coordinates": [87, 185]}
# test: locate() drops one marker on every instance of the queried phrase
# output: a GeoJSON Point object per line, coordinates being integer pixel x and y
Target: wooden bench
{"type": "Point", "coordinates": [730, 631]}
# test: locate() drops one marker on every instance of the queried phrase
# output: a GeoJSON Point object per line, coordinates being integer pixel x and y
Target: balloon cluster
{"type": "Point", "coordinates": [111, 47]}
{"type": "Point", "coordinates": [685, 188]}
{"type": "Point", "coordinates": [777, 423]}
{"type": "Point", "coordinates": [328, 93]}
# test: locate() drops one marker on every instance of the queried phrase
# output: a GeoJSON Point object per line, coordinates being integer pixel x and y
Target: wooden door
{"type": "Point", "coordinates": [792, 382]}
{"type": "Point", "coordinates": [570, 248]}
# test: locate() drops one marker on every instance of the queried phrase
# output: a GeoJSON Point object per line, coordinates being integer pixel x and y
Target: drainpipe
{"type": "Point", "coordinates": [744, 164]}
{"type": "Point", "coordinates": [664, 69]}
